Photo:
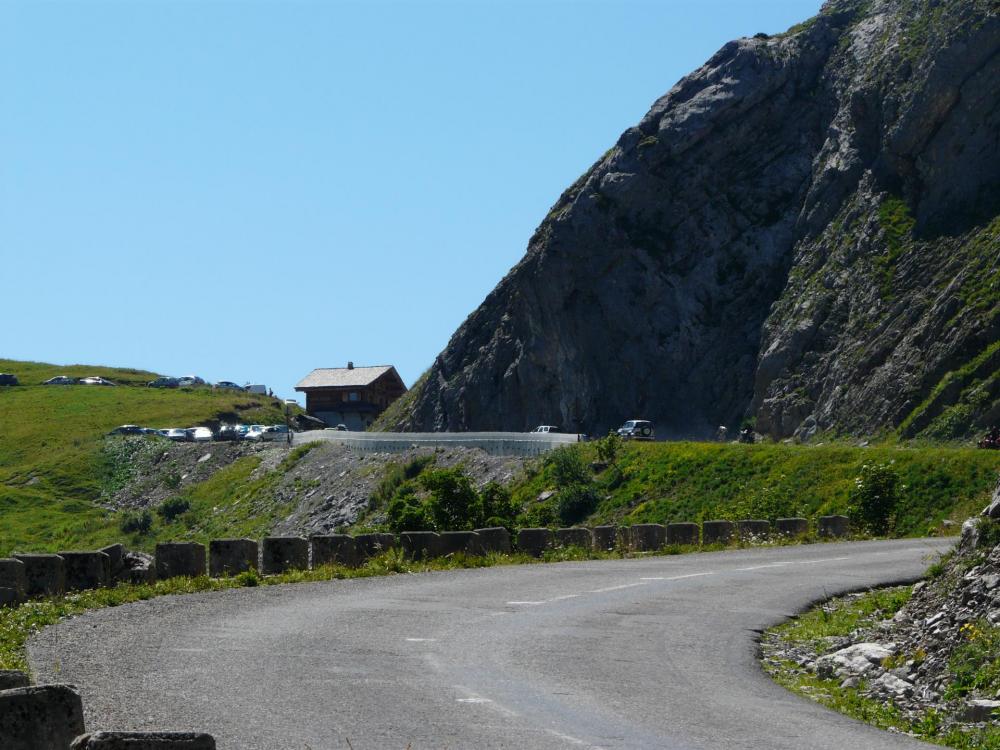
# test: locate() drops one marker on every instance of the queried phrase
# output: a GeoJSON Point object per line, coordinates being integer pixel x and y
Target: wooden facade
{"type": "Point", "coordinates": [352, 396]}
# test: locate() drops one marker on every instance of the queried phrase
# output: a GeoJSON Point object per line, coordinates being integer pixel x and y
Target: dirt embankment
{"type": "Point", "coordinates": [328, 488]}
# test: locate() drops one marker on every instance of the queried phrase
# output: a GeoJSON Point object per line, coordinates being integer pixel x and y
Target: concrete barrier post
{"type": "Point", "coordinates": [575, 537]}
{"type": "Point", "coordinates": [180, 559]}
{"type": "Point", "coordinates": [333, 549]}
{"type": "Point", "coordinates": [144, 741]}
{"type": "Point", "coordinates": [279, 554]}
{"type": "Point", "coordinates": [752, 529]}
{"type": "Point", "coordinates": [13, 678]}
{"type": "Point", "coordinates": [44, 716]}
{"type": "Point", "coordinates": [460, 541]}
{"type": "Point", "coordinates": [683, 533]}
{"type": "Point", "coordinates": [13, 582]}
{"type": "Point", "coordinates": [45, 575]}
{"type": "Point", "coordinates": [231, 556]}
{"type": "Point", "coordinates": [792, 526]}
{"type": "Point", "coordinates": [373, 545]}
{"type": "Point", "coordinates": [717, 532]}
{"type": "Point", "coordinates": [420, 545]}
{"type": "Point", "coordinates": [833, 526]}
{"type": "Point", "coordinates": [116, 553]}
{"type": "Point", "coordinates": [534, 541]}
{"type": "Point", "coordinates": [605, 538]}
{"type": "Point", "coordinates": [646, 537]}
{"type": "Point", "coordinates": [494, 539]}
{"type": "Point", "coordinates": [86, 570]}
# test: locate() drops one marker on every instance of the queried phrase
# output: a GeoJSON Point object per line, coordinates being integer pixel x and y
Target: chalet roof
{"type": "Point", "coordinates": [343, 377]}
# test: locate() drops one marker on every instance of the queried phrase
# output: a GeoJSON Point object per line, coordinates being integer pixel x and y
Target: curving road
{"type": "Point", "coordinates": [649, 653]}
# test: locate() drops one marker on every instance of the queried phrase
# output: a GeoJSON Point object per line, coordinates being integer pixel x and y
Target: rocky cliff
{"type": "Point", "coordinates": [804, 230]}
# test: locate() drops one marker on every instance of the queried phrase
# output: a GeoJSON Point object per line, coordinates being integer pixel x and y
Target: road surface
{"type": "Point", "coordinates": [649, 653]}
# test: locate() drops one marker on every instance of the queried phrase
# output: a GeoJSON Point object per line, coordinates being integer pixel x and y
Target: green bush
{"type": "Point", "coordinates": [407, 512]}
{"type": "Point", "coordinates": [454, 503]}
{"type": "Point", "coordinates": [608, 448]}
{"type": "Point", "coordinates": [171, 508]}
{"type": "Point", "coordinates": [575, 503]}
{"type": "Point", "coordinates": [567, 466]}
{"type": "Point", "coordinates": [499, 507]}
{"type": "Point", "coordinates": [874, 497]}
{"type": "Point", "coordinates": [139, 522]}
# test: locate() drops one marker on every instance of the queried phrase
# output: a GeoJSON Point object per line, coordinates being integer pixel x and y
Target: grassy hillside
{"type": "Point", "coordinates": [52, 467]}
{"type": "Point", "coordinates": [666, 482]}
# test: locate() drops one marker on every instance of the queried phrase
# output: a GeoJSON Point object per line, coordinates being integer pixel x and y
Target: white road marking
{"type": "Point", "coordinates": [530, 604]}
{"type": "Point", "coordinates": [573, 740]}
{"type": "Point", "coordinates": [564, 596]}
{"type": "Point", "coordinates": [653, 578]}
{"type": "Point", "coordinates": [761, 567]}
{"type": "Point", "coordinates": [822, 560]}
{"type": "Point", "coordinates": [421, 640]}
{"type": "Point", "coordinates": [615, 588]}
{"type": "Point", "coordinates": [691, 575]}
{"type": "Point", "coordinates": [473, 700]}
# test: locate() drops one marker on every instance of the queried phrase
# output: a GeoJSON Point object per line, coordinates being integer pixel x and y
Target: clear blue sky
{"type": "Point", "coordinates": [249, 190]}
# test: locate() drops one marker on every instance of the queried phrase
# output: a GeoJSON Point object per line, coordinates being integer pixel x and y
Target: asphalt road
{"type": "Point", "coordinates": [651, 653]}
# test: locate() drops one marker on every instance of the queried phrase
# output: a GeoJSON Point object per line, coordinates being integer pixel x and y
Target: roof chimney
{"type": "Point", "coordinates": [350, 365]}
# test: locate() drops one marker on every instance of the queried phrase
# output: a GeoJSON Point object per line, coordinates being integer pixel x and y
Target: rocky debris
{"type": "Point", "coordinates": [804, 229]}
{"type": "Point", "coordinates": [905, 660]}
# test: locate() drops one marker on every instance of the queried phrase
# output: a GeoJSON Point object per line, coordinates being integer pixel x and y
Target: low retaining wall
{"type": "Point", "coordinates": [43, 716]}
{"type": "Point", "coordinates": [575, 537]}
{"type": "Point", "coordinates": [45, 575]}
{"type": "Point", "coordinates": [832, 526]}
{"type": "Point", "coordinates": [279, 554]}
{"type": "Point", "coordinates": [231, 556]}
{"type": "Point", "coordinates": [180, 559]}
{"type": "Point", "coordinates": [494, 443]}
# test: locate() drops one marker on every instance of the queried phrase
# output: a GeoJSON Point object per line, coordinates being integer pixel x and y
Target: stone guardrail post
{"type": "Point", "coordinates": [13, 678]}
{"type": "Point", "coordinates": [792, 526]}
{"type": "Point", "coordinates": [144, 741]}
{"type": "Point", "coordinates": [45, 575]}
{"type": "Point", "coordinates": [86, 570]}
{"type": "Point", "coordinates": [494, 539]}
{"type": "Point", "coordinates": [749, 529]}
{"type": "Point", "coordinates": [683, 533]}
{"type": "Point", "coordinates": [420, 545]}
{"type": "Point", "coordinates": [460, 541]}
{"type": "Point", "coordinates": [833, 526]}
{"type": "Point", "coordinates": [534, 541]}
{"type": "Point", "coordinates": [373, 545]}
{"type": "Point", "coordinates": [116, 554]}
{"type": "Point", "coordinates": [333, 549]}
{"type": "Point", "coordinates": [717, 532]}
{"type": "Point", "coordinates": [279, 554]}
{"type": "Point", "coordinates": [605, 538]}
{"type": "Point", "coordinates": [44, 716]}
{"type": "Point", "coordinates": [13, 582]}
{"type": "Point", "coordinates": [575, 537]}
{"type": "Point", "coordinates": [232, 556]}
{"type": "Point", "coordinates": [180, 559]}
{"type": "Point", "coordinates": [646, 537]}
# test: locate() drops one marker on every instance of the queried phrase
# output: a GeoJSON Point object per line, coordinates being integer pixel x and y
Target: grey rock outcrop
{"type": "Point", "coordinates": [805, 229]}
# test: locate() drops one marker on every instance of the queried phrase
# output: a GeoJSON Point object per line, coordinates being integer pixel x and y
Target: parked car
{"type": "Point", "coordinates": [163, 382]}
{"type": "Point", "coordinates": [254, 432]}
{"type": "Point", "coordinates": [637, 429]}
{"type": "Point", "coordinates": [258, 388]}
{"type": "Point", "coordinates": [127, 429]}
{"type": "Point", "coordinates": [189, 380]}
{"type": "Point", "coordinates": [177, 434]}
{"type": "Point", "coordinates": [7, 379]}
{"type": "Point", "coordinates": [96, 380]}
{"type": "Point", "coordinates": [228, 384]}
{"type": "Point", "coordinates": [199, 434]}
{"type": "Point", "coordinates": [274, 433]}
{"type": "Point", "coordinates": [60, 380]}
{"type": "Point", "coordinates": [150, 431]}
{"type": "Point", "coordinates": [546, 428]}
{"type": "Point", "coordinates": [339, 428]}
{"type": "Point", "coordinates": [229, 432]}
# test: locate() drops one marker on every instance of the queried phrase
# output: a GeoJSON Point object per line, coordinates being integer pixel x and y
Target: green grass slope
{"type": "Point", "coordinates": [671, 482]}
{"type": "Point", "coordinates": [52, 467]}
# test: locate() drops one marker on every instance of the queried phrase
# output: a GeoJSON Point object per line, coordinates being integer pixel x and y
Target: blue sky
{"type": "Point", "coordinates": [249, 190]}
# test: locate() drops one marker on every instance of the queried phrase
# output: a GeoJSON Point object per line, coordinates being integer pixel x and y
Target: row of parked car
{"type": "Point", "coordinates": [187, 381]}
{"type": "Point", "coordinates": [232, 432]}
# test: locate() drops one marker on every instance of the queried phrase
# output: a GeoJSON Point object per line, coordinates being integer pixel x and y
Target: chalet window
{"type": "Point", "coordinates": [353, 396]}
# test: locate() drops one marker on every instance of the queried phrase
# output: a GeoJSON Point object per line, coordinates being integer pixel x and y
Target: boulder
{"type": "Point", "coordinates": [979, 709]}
{"type": "Point", "coordinates": [333, 549]}
{"type": "Point", "coordinates": [43, 717]}
{"type": "Point", "coordinates": [494, 539]}
{"type": "Point", "coordinates": [231, 556]}
{"type": "Point", "coordinates": [45, 575]}
{"type": "Point", "coordinates": [180, 559]}
{"type": "Point", "coordinates": [137, 567]}
{"type": "Point", "coordinates": [279, 554]}
{"type": "Point", "coordinates": [857, 659]}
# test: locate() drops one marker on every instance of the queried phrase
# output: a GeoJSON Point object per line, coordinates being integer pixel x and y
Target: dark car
{"type": "Point", "coordinates": [60, 380]}
{"type": "Point", "coordinates": [229, 432]}
{"type": "Point", "coordinates": [228, 384]}
{"type": "Point", "coordinates": [128, 429]}
{"type": "Point", "coordinates": [7, 379]}
{"type": "Point", "coordinates": [637, 429]}
{"type": "Point", "coordinates": [163, 382]}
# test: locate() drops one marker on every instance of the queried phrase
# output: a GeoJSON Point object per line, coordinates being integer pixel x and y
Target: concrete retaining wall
{"type": "Point", "coordinates": [606, 538]}
{"type": "Point", "coordinates": [373, 545]}
{"type": "Point", "coordinates": [45, 575]}
{"type": "Point", "coordinates": [534, 541]}
{"type": "Point", "coordinates": [231, 556]}
{"type": "Point", "coordinates": [333, 549]}
{"type": "Point", "coordinates": [420, 545]}
{"type": "Point", "coordinates": [683, 533]}
{"type": "Point", "coordinates": [575, 537]}
{"type": "Point", "coordinates": [792, 526]}
{"type": "Point", "coordinates": [494, 539]}
{"type": "Point", "coordinates": [86, 570]}
{"type": "Point", "coordinates": [279, 554]}
{"type": "Point", "coordinates": [717, 532]}
{"type": "Point", "coordinates": [833, 526]}
{"type": "Point", "coordinates": [647, 537]}
{"type": "Point", "coordinates": [494, 443]}
{"type": "Point", "coordinates": [13, 582]}
{"type": "Point", "coordinates": [753, 529]}
{"type": "Point", "coordinates": [459, 541]}
{"type": "Point", "coordinates": [180, 559]}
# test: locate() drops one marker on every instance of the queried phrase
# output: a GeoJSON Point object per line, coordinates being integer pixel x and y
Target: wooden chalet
{"type": "Point", "coordinates": [351, 396]}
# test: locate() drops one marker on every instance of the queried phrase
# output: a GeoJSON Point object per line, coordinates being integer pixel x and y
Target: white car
{"type": "Point", "coordinates": [199, 434]}
{"type": "Point", "coordinates": [96, 380]}
{"type": "Point", "coordinates": [254, 432]}
{"type": "Point", "coordinates": [546, 428]}
{"type": "Point", "coordinates": [177, 434]}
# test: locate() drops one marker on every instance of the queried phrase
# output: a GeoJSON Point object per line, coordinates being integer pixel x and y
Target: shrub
{"type": "Point", "coordinates": [171, 508]}
{"type": "Point", "coordinates": [407, 512]}
{"type": "Point", "coordinates": [874, 497]}
{"type": "Point", "coordinates": [498, 505]}
{"type": "Point", "coordinates": [574, 503]}
{"type": "Point", "coordinates": [454, 503]}
{"type": "Point", "coordinates": [567, 466]}
{"type": "Point", "coordinates": [608, 448]}
{"type": "Point", "coordinates": [137, 523]}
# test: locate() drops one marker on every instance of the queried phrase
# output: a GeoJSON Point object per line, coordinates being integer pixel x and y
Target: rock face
{"type": "Point", "coordinates": [804, 230]}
